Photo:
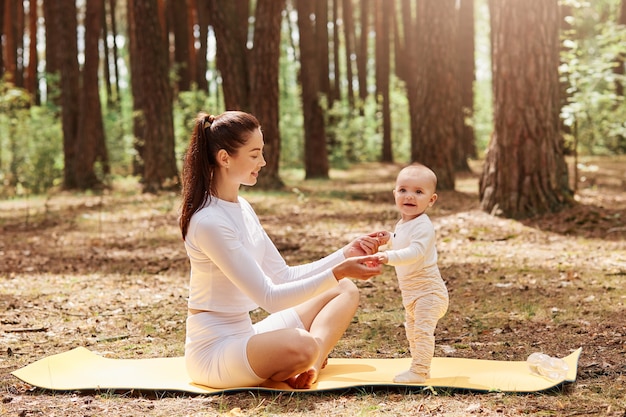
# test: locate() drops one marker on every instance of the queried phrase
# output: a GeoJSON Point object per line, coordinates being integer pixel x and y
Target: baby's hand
{"type": "Point", "coordinates": [382, 257]}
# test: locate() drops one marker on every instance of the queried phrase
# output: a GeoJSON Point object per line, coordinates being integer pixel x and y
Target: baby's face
{"type": "Point", "coordinates": [414, 193]}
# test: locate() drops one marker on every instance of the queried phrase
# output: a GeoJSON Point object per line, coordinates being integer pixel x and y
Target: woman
{"type": "Point", "coordinates": [235, 268]}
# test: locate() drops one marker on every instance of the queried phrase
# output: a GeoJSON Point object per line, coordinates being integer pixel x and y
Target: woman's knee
{"type": "Point", "coordinates": [349, 288]}
{"type": "Point", "coordinates": [304, 349]}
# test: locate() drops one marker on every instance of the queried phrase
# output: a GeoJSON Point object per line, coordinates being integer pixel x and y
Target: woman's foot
{"type": "Point", "coordinates": [305, 380]}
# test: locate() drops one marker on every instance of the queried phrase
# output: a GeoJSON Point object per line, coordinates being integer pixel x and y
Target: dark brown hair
{"type": "Point", "coordinates": [229, 131]}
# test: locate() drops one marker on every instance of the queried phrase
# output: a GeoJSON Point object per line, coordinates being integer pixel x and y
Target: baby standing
{"type": "Point", "coordinates": [412, 251]}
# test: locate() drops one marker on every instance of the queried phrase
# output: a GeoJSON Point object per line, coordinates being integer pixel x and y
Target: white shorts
{"type": "Point", "coordinates": [215, 346]}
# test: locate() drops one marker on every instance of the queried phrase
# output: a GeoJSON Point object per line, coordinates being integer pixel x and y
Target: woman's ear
{"type": "Point", "coordinates": [223, 158]}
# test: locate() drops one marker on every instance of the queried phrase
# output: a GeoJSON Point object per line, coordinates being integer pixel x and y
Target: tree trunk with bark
{"type": "Point", "coordinates": [31, 82]}
{"type": "Point", "coordinates": [230, 22]}
{"type": "Point", "coordinates": [437, 114]}
{"type": "Point", "coordinates": [181, 30]}
{"type": "Point", "coordinates": [348, 31]}
{"type": "Point", "coordinates": [152, 81]}
{"type": "Point", "coordinates": [64, 20]}
{"type": "Point", "coordinates": [525, 173]}
{"type": "Point", "coordinates": [467, 75]}
{"type": "Point", "coordinates": [361, 51]}
{"type": "Point", "coordinates": [90, 141]}
{"type": "Point", "coordinates": [264, 95]}
{"type": "Point", "coordinates": [383, 16]}
{"type": "Point", "coordinates": [315, 150]}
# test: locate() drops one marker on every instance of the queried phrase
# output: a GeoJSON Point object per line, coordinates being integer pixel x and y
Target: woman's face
{"type": "Point", "coordinates": [247, 162]}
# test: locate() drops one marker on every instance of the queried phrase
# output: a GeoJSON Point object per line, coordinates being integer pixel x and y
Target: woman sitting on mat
{"type": "Point", "coordinates": [235, 268]}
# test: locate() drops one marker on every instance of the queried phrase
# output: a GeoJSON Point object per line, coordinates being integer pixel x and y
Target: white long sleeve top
{"type": "Point", "coordinates": [412, 251]}
{"type": "Point", "coordinates": [235, 267]}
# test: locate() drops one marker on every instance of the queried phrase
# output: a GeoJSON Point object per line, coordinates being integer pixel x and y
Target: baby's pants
{"type": "Point", "coordinates": [422, 316]}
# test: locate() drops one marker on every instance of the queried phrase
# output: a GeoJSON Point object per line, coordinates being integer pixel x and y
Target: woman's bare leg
{"type": "Point", "coordinates": [327, 317]}
{"type": "Point", "coordinates": [296, 356]}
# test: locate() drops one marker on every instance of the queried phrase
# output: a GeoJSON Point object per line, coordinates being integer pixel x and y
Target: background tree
{"type": "Point", "coordinates": [90, 141]}
{"type": "Point", "coordinates": [436, 113]}
{"type": "Point", "coordinates": [182, 33]}
{"type": "Point", "coordinates": [525, 171]}
{"type": "Point", "coordinates": [467, 76]}
{"type": "Point", "coordinates": [315, 150]}
{"type": "Point", "coordinates": [31, 79]}
{"type": "Point", "coordinates": [11, 36]}
{"type": "Point", "coordinates": [64, 19]}
{"type": "Point", "coordinates": [383, 15]}
{"type": "Point", "coordinates": [348, 36]}
{"type": "Point", "coordinates": [362, 50]}
{"type": "Point", "coordinates": [230, 22]}
{"type": "Point", "coordinates": [152, 85]}
{"type": "Point", "coordinates": [2, 28]}
{"type": "Point", "coordinates": [264, 84]}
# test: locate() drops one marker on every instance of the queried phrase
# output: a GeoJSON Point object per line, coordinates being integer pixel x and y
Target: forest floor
{"type": "Point", "coordinates": [109, 272]}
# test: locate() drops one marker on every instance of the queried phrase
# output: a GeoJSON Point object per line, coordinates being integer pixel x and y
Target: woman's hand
{"type": "Point", "coordinates": [358, 267]}
{"type": "Point", "coordinates": [366, 245]}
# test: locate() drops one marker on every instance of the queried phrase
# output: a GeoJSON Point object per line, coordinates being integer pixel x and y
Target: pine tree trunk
{"type": "Point", "coordinates": [315, 150]}
{"type": "Point", "coordinates": [159, 159]}
{"type": "Point", "coordinates": [64, 20]}
{"type": "Point", "coordinates": [467, 75]}
{"type": "Point", "coordinates": [383, 16]}
{"type": "Point", "coordinates": [525, 173]}
{"type": "Point", "coordinates": [180, 26]}
{"type": "Point", "coordinates": [348, 26]}
{"type": "Point", "coordinates": [437, 108]}
{"type": "Point", "coordinates": [264, 84]}
{"type": "Point", "coordinates": [31, 83]}
{"type": "Point", "coordinates": [230, 22]}
{"type": "Point", "coordinates": [90, 143]}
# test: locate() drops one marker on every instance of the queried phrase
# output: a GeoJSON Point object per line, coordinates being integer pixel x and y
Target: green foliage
{"type": "Point", "coordinates": [594, 112]}
{"type": "Point", "coordinates": [118, 128]}
{"type": "Point", "coordinates": [30, 143]}
{"type": "Point", "coordinates": [186, 107]}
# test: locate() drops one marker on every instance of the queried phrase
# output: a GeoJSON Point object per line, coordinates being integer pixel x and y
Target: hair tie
{"type": "Point", "coordinates": [208, 121]}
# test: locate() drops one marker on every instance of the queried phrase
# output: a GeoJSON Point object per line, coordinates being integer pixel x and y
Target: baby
{"type": "Point", "coordinates": [411, 250]}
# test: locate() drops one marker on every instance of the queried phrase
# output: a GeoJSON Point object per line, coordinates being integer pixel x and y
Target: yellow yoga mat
{"type": "Point", "coordinates": [81, 369]}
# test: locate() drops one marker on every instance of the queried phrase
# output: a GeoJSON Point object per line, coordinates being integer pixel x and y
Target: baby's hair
{"type": "Point", "coordinates": [424, 168]}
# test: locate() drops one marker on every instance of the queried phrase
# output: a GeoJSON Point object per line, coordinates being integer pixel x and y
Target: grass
{"type": "Point", "coordinates": [109, 272]}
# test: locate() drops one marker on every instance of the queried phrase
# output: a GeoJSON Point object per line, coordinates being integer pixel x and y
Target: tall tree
{"type": "Point", "coordinates": [52, 39]}
{"type": "Point", "coordinates": [230, 22]}
{"type": "Point", "coordinates": [31, 81]}
{"type": "Point", "coordinates": [2, 5]}
{"type": "Point", "coordinates": [264, 97]}
{"type": "Point", "coordinates": [361, 51]}
{"type": "Point", "coordinates": [10, 42]}
{"type": "Point", "coordinates": [436, 112]}
{"type": "Point", "coordinates": [315, 150]}
{"type": "Point", "coordinates": [335, 93]}
{"type": "Point", "coordinates": [621, 58]}
{"type": "Point", "coordinates": [182, 33]}
{"type": "Point", "coordinates": [322, 41]}
{"type": "Point", "coordinates": [90, 141]}
{"type": "Point", "coordinates": [525, 173]}
{"type": "Point", "coordinates": [151, 80]}
{"type": "Point", "coordinates": [349, 47]}
{"type": "Point", "coordinates": [250, 79]}
{"type": "Point", "coordinates": [383, 15]}
{"type": "Point", "coordinates": [64, 19]}
{"type": "Point", "coordinates": [201, 58]}
{"type": "Point", "coordinates": [467, 76]}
